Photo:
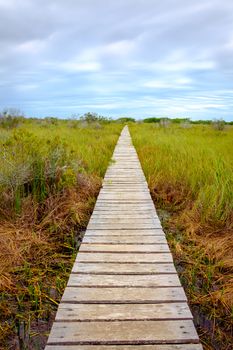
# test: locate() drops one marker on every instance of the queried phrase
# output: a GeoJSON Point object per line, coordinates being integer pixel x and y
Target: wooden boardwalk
{"type": "Point", "coordinates": [124, 292]}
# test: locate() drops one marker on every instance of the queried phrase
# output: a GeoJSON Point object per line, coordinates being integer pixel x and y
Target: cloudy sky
{"type": "Point", "coordinates": [137, 58]}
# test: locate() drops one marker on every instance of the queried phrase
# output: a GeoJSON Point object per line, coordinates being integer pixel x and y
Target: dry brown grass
{"type": "Point", "coordinates": [37, 250]}
{"type": "Point", "coordinates": [203, 255]}
{"type": "Point", "coordinates": [189, 172]}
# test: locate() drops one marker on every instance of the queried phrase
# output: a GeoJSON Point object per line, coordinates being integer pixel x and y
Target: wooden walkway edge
{"type": "Point", "coordinates": [123, 292]}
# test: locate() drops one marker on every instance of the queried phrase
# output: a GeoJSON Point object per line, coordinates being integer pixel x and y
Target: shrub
{"type": "Point", "coordinates": [51, 120]}
{"type": "Point", "coordinates": [125, 120]}
{"type": "Point", "coordinates": [11, 118]}
{"type": "Point", "coordinates": [152, 120]}
{"type": "Point", "coordinates": [27, 169]}
{"type": "Point", "coordinates": [93, 118]}
{"type": "Point", "coordinates": [218, 124]}
{"type": "Point", "coordinates": [164, 122]}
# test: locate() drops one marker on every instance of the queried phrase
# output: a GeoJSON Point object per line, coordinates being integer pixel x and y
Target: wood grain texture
{"type": "Point", "coordinates": [126, 347]}
{"type": "Point", "coordinates": [125, 239]}
{"type": "Point", "coordinates": [122, 248]}
{"type": "Point", "coordinates": [169, 280]}
{"type": "Point", "coordinates": [133, 312]}
{"type": "Point", "coordinates": [124, 257]}
{"type": "Point", "coordinates": [125, 232]}
{"type": "Point", "coordinates": [123, 295]}
{"type": "Point", "coordinates": [126, 332]}
{"type": "Point", "coordinates": [126, 269]}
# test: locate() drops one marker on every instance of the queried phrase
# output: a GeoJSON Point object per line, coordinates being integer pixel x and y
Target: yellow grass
{"type": "Point", "coordinates": [190, 175]}
{"type": "Point", "coordinates": [50, 176]}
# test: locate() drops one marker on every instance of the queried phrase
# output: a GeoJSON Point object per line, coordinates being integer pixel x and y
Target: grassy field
{"type": "Point", "coordinates": [190, 175]}
{"type": "Point", "coordinates": [50, 175]}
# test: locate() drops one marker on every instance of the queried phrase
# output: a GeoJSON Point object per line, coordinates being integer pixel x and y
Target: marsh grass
{"type": "Point", "coordinates": [190, 175]}
{"type": "Point", "coordinates": [50, 176]}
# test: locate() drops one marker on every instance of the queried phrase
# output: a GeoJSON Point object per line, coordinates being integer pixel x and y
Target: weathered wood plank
{"type": "Point", "coordinates": [129, 207]}
{"type": "Point", "coordinates": [123, 216]}
{"type": "Point", "coordinates": [119, 170]}
{"type": "Point", "coordinates": [117, 269]}
{"type": "Point", "coordinates": [125, 232]}
{"type": "Point", "coordinates": [125, 179]}
{"type": "Point", "coordinates": [126, 347]}
{"type": "Point", "coordinates": [132, 186]}
{"type": "Point", "coordinates": [124, 174]}
{"type": "Point", "coordinates": [142, 203]}
{"type": "Point", "coordinates": [136, 248]}
{"type": "Point", "coordinates": [117, 173]}
{"type": "Point", "coordinates": [118, 312]}
{"type": "Point", "coordinates": [125, 220]}
{"type": "Point", "coordinates": [124, 225]}
{"type": "Point", "coordinates": [123, 168]}
{"type": "Point", "coordinates": [124, 196]}
{"type": "Point", "coordinates": [126, 189]}
{"type": "Point", "coordinates": [117, 191]}
{"type": "Point", "coordinates": [123, 295]}
{"type": "Point", "coordinates": [125, 239]}
{"type": "Point", "coordinates": [126, 332]}
{"type": "Point", "coordinates": [146, 281]}
{"type": "Point", "coordinates": [125, 257]}
{"type": "Point", "coordinates": [116, 182]}
{"type": "Point", "coordinates": [121, 224]}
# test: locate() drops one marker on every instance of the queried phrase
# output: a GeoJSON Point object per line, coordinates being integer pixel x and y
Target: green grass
{"type": "Point", "coordinates": [197, 161]}
{"type": "Point", "coordinates": [42, 158]}
{"type": "Point", "coordinates": [190, 176]}
{"type": "Point", "coordinates": [50, 176]}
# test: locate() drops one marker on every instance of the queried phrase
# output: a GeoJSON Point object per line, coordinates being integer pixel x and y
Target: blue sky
{"type": "Point", "coordinates": [137, 58]}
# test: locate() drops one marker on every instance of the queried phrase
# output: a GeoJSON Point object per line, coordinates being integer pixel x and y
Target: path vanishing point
{"type": "Point", "coordinates": [124, 292]}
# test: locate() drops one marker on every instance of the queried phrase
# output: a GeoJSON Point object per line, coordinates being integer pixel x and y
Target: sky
{"type": "Point", "coordinates": [135, 58]}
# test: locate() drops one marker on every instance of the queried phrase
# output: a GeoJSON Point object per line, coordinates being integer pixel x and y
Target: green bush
{"type": "Point", "coordinates": [151, 120]}
{"type": "Point", "coordinates": [11, 118]}
{"type": "Point", "coordinates": [125, 120]}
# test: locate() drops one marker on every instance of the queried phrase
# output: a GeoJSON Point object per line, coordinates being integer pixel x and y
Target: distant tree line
{"type": "Point", "coordinates": [13, 117]}
{"type": "Point", "coordinates": [183, 120]}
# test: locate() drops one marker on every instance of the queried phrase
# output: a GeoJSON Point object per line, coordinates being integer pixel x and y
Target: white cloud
{"type": "Point", "coordinates": [31, 47]}
{"type": "Point", "coordinates": [119, 48]}
{"type": "Point", "coordinates": [111, 50]}
{"type": "Point", "coordinates": [172, 83]}
{"type": "Point", "coordinates": [9, 4]}
{"type": "Point", "coordinates": [135, 57]}
{"type": "Point", "coordinates": [75, 66]}
{"type": "Point", "coordinates": [175, 66]}
{"type": "Point", "coordinates": [27, 87]}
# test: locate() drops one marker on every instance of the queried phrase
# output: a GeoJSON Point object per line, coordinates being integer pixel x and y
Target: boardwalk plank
{"type": "Point", "coordinates": [125, 232]}
{"type": "Point", "coordinates": [127, 332]}
{"type": "Point", "coordinates": [124, 197]}
{"type": "Point", "coordinates": [124, 347]}
{"type": "Point", "coordinates": [124, 207]}
{"type": "Point", "coordinates": [120, 216]}
{"type": "Point", "coordinates": [123, 226]}
{"type": "Point", "coordinates": [169, 280]}
{"type": "Point", "coordinates": [123, 295]}
{"type": "Point", "coordinates": [125, 257]}
{"type": "Point", "coordinates": [125, 239]}
{"type": "Point", "coordinates": [124, 221]}
{"type": "Point", "coordinates": [109, 312]}
{"type": "Point", "coordinates": [114, 268]}
{"type": "Point", "coordinates": [136, 248]}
